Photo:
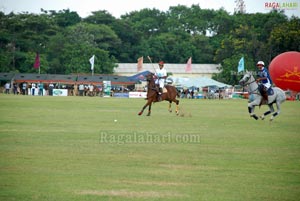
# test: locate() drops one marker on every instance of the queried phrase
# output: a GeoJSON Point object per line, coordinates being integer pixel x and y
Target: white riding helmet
{"type": "Point", "coordinates": [260, 63]}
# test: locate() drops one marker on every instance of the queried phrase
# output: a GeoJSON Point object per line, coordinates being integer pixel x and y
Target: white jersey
{"type": "Point", "coordinates": [161, 73]}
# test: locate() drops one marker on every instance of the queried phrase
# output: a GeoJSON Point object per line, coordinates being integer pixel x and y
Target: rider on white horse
{"type": "Point", "coordinates": [264, 79]}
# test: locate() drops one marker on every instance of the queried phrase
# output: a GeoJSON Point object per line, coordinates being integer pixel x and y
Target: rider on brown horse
{"type": "Point", "coordinates": [161, 75]}
{"type": "Point", "coordinates": [152, 93]}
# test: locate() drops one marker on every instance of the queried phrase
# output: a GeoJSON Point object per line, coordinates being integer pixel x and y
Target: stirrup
{"type": "Point", "coordinates": [159, 98]}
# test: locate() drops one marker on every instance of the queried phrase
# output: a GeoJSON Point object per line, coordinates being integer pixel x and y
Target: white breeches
{"type": "Point", "coordinates": [267, 85]}
{"type": "Point", "coordinates": [160, 82]}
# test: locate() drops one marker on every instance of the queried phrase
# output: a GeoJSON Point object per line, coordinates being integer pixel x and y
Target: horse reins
{"type": "Point", "coordinates": [251, 92]}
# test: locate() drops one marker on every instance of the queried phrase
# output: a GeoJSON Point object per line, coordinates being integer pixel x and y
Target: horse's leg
{"type": "Point", "coordinates": [141, 112]}
{"type": "Point", "coordinates": [149, 109]}
{"type": "Point", "coordinates": [251, 111]}
{"type": "Point", "coordinates": [170, 106]}
{"type": "Point", "coordinates": [251, 107]}
{"type": "Point", "coordinates": [277, 112]}
{"type": "Point", "coordinates": [177, 106]}
{"type": "Point", "coordinates": [271, 109]}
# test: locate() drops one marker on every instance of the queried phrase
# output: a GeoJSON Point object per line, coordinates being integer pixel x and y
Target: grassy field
{"type": "Point", "coordinates": [71, 148]}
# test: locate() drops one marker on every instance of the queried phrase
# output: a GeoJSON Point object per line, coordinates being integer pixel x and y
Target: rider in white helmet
{"type": "Point", "coordinates": [263, 79]}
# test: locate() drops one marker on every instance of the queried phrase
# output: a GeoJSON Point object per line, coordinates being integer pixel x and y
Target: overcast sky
{"type": "Point", "coordinates": [121, 7]}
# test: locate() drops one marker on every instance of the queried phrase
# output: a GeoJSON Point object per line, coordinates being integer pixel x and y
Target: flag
{"type": "Point", "coordinates": [36, 64]}
{"type": "Point", "coordinates": [92, 61]}
{"type": "Point", "coordinates": [241, 65]}
{"type": "Point", "coordinates": [188, 67]}
{"type": "Point", "coordinates": [140, 64]}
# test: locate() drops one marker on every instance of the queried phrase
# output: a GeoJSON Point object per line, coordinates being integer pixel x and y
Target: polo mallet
{"type": "Point", "coordinates": [151, 64]}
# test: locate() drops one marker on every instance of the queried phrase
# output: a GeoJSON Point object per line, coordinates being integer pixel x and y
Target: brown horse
{"type": "Point", "coordinates": [152, 95]}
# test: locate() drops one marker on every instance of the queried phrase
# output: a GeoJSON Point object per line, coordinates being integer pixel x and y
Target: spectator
{"type": "Point", "coordinates": [41, 89]}
{"type": "Point", "coordinates": [81, 89]}
{"type": "Point", "coordinates": [29, 89]}
{"type": "Point", "coordinates": [24, 87]}
{"type": "Point", "coordinates": [15, 88]}
{"type": "Point", "coordinates": [7, 87]}
{"type": "Point", "coordinates": [86, 90]}
{"type": "Point", "coordinates": [33, 85]}
{"type": "Point", "coordinates": [75, 90]}
{"type": "Point", "coordinates": [51, 87]}
{"type": "Point", "coordinates": [91, 90]}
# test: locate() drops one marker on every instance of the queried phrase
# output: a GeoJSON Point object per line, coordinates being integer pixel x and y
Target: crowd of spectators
{"type": "Point", "coordinates": [42, 89]}
{"type": "Point", "coordinates": [82, 89]}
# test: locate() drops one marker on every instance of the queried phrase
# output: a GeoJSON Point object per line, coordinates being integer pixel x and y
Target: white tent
{"type": "Point", "coordinates": [198, 82]}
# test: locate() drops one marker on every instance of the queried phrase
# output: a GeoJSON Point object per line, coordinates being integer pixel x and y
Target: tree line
{"type": "Point", "coordinates": [65, 41]}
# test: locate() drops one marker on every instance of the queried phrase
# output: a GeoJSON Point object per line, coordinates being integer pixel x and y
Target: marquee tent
{"type": "Point", "coordinates": [140, 76]}
{"type": "Point", "coordinates": [198, 82]}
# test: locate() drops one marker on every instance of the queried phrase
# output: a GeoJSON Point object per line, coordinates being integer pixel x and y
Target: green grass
{"type": "Point", "coordinates": [54, 148]}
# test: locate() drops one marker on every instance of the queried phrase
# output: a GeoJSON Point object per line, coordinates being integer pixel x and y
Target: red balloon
{"type": "Point", "coordinates": [285, 71]}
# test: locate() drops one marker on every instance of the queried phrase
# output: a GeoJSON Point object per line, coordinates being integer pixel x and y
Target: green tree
{"type": "Point", "coordinates": [128, 50]}
{"type": "Point", "coordinates": [63, 18]}
{"type": "Point", "coordinates": [79, 47]}
{"type": "Point", "coordinates": [23, 33]}
{"type": "Point", "coordinates": [100, 17]}
{"type": "Point", "coordinates": [147, 22]}
{"type": "Point", "coordinates": [285, 37]}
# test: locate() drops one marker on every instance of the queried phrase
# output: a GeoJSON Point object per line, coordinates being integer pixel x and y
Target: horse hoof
{"type": "Point", "coordinates": [254, 116]}
{"type": "Point", "coordinates": [140, 113]}
{"type": "Point", "coordinates": [262, 117]}
{"type": "Point", "coordinates": [148, 115]}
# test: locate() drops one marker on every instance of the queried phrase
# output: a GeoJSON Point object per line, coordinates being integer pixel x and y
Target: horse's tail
{"type": "Point", "coordinates": [281, 94]}
{"type": "Point", "coordinates": [177, 93]}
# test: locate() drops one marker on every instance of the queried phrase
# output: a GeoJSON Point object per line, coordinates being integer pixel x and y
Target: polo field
{"type": "Point", "coordinates": [92, 148]}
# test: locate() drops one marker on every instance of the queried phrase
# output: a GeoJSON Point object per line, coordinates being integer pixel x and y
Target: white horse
{"type": "Point", "coordinates": [255, 97]}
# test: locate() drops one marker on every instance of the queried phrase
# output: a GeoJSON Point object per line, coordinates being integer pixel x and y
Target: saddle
{"type": "Point", "coordinates": [270, 91]}
{"type": "Point", "coordinates": [165, 90]}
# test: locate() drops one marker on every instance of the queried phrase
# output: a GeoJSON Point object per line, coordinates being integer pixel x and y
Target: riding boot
{"type": "Point", "coordinates": [160, 91]}
{"type": "Point", "coordinates": [264, 94]}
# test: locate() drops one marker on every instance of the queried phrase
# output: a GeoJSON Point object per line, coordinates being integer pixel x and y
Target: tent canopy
{"type": "Point", "coordinates": [140, 76]}
{"type": "Point", "coordinates": [198, 82]}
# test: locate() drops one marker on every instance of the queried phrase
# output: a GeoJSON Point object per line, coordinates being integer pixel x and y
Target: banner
{"type": "Point", "coordinates": [92, 61]}
{"type": "Point", "coordinates": [36, 64]}
{"type": "Point", "coordinates": [241, 65]}
{"type": "Point", "coordinates": [136, 94]}
{"type": "Point", "coordinates": [140, 64]}
{"type": "Point", "coordinates": [60, 92]}
{"type": "Point", "coordinates": [188, 67]}
{"type": "Point", "coordinates": [107, 88]}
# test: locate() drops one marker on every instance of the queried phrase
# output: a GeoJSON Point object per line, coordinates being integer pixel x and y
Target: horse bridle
{"type": "Point", "coordinates": [153, 87]}
{"type": "Point", "coordinates": [247, 83]}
